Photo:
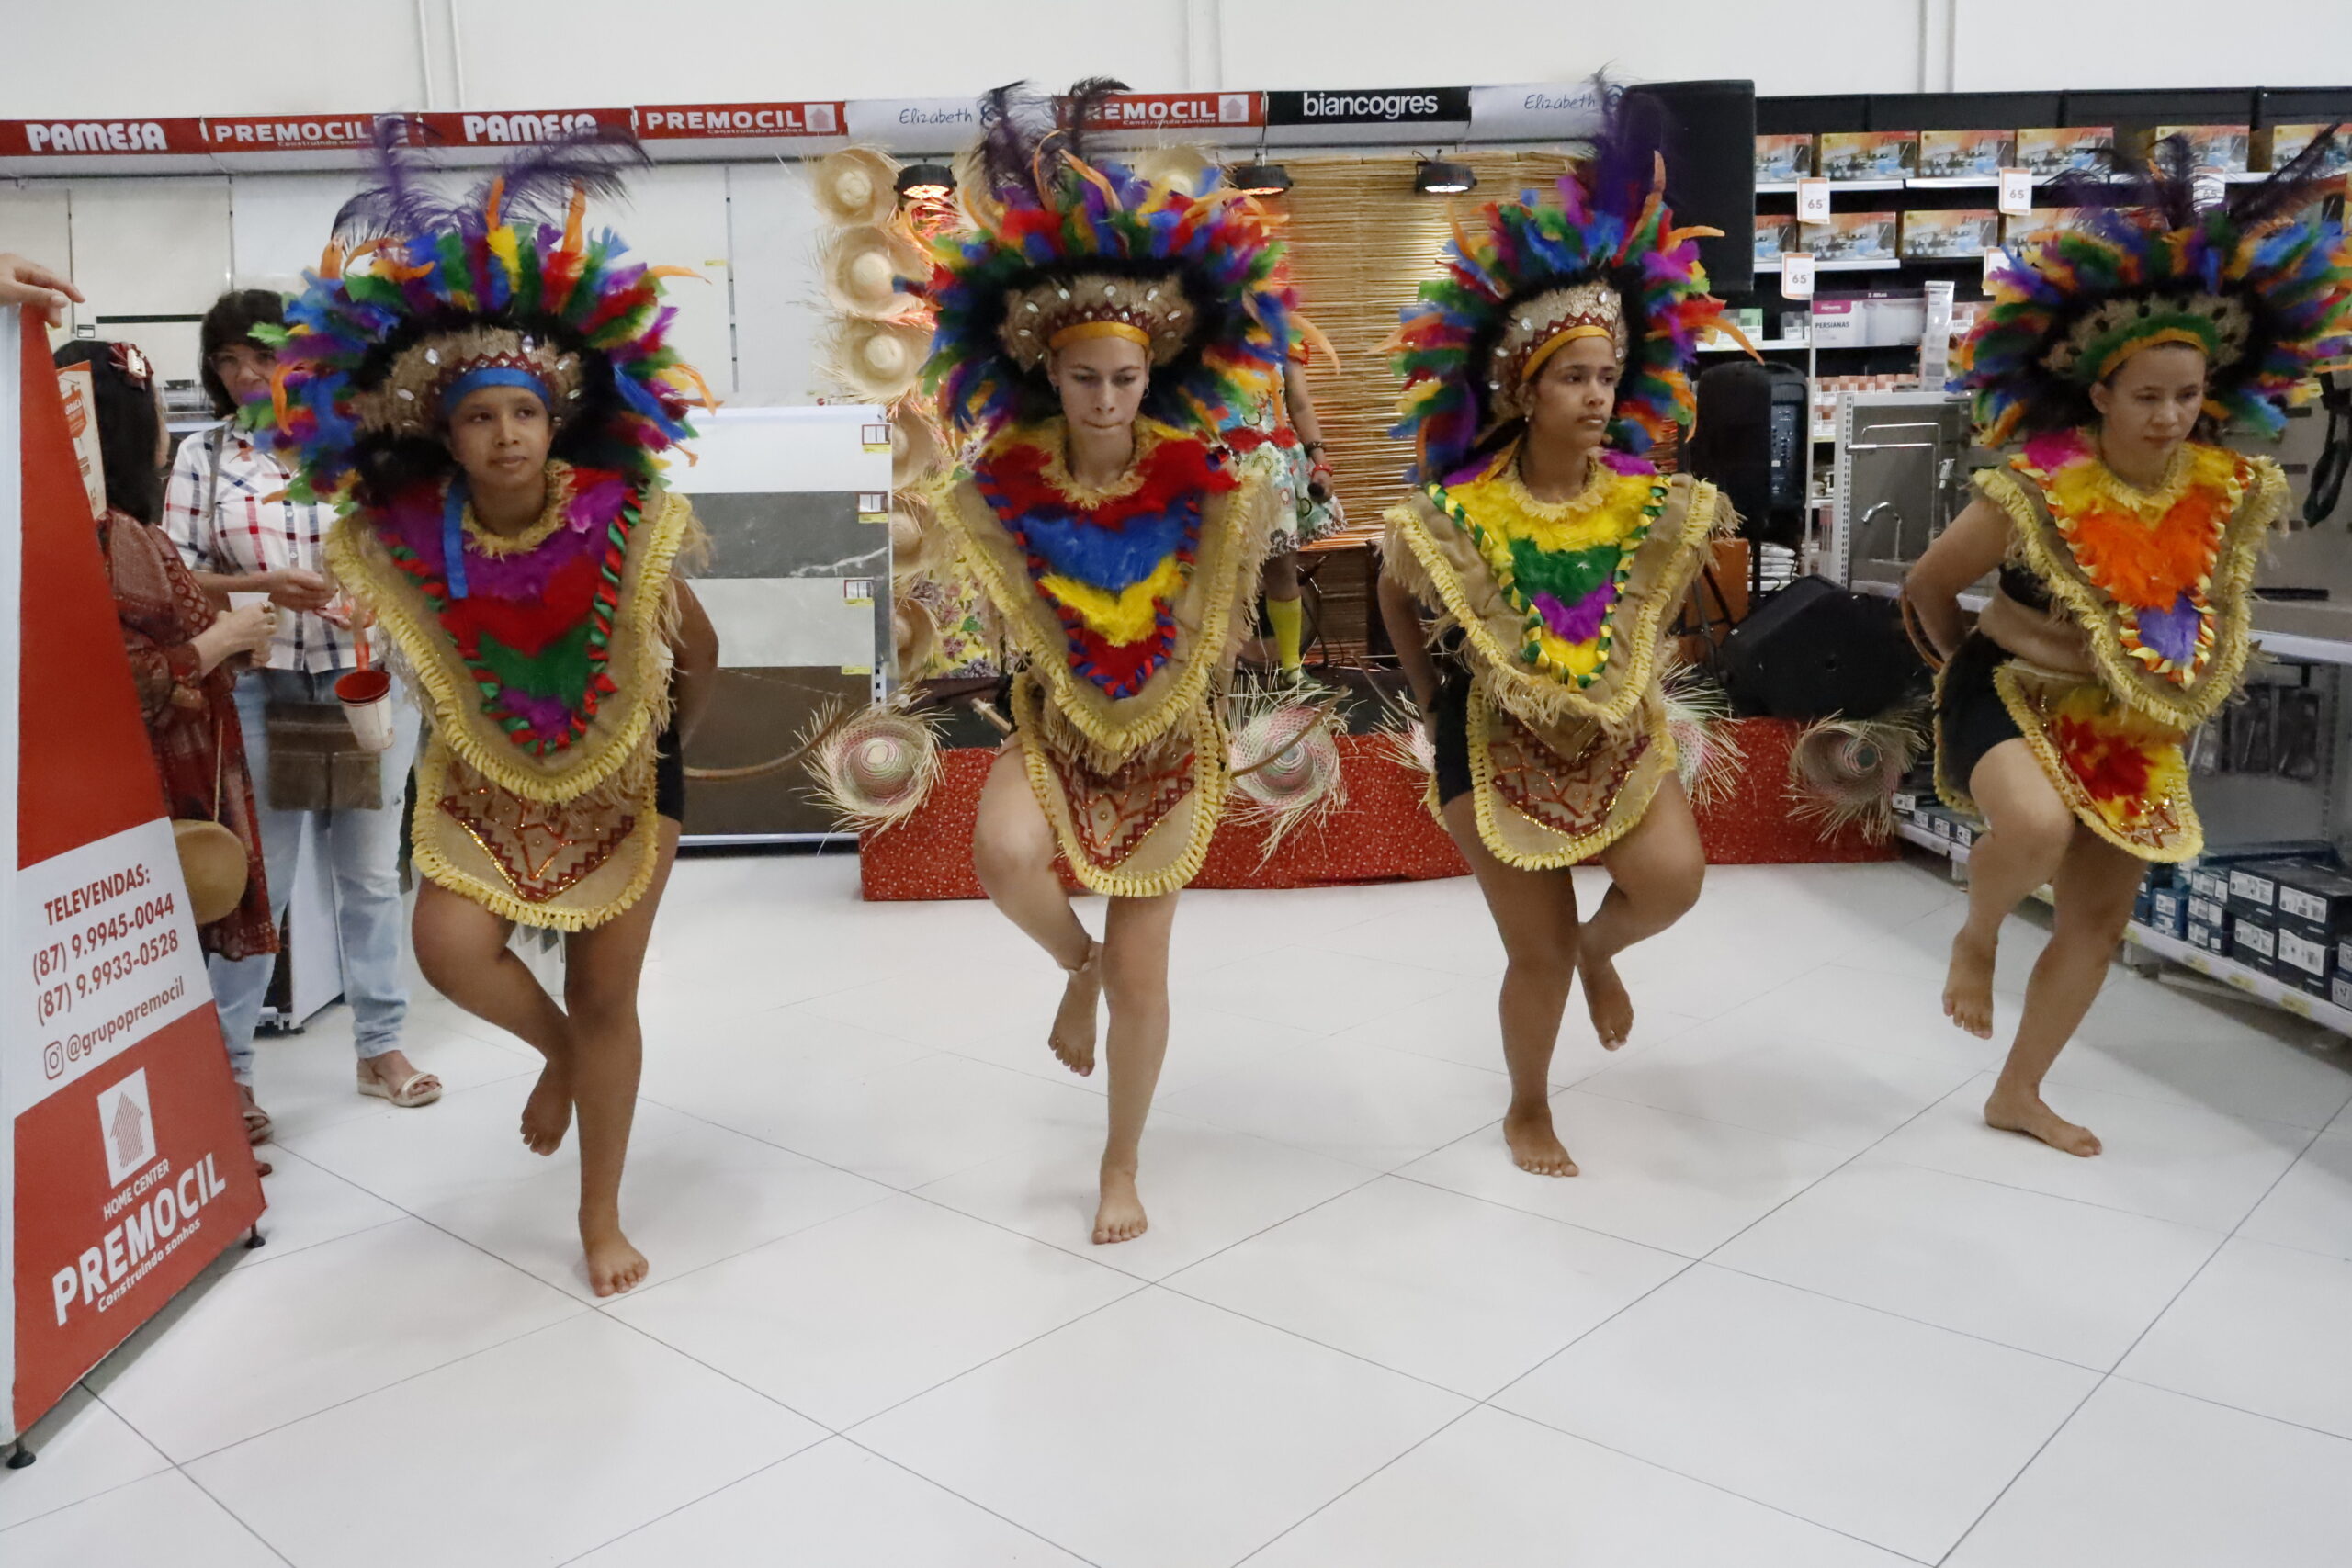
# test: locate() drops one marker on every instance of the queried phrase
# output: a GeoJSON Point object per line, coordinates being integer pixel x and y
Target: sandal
{"type": "Point", "coordinates": [408, 1096]}
{"type": "Point", "coordinates": [257, 1125]}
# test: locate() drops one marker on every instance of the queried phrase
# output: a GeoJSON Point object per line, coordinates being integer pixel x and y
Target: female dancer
{"type": "Point", "coordinates": [483, 395]}
{"type": "Point", "coordinates": [1538, 370]}
{"type": "Point", "coordinates": [1093, 325]}
{"type": "Point", "coordinates": [2126, 543]}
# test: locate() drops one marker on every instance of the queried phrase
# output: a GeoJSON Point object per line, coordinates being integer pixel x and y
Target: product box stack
{"type": "Point", "coordinates": [2284, 911]}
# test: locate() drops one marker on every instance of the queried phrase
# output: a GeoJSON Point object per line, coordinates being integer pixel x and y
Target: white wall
{"type": "Point", "coordinates": [99, 58]}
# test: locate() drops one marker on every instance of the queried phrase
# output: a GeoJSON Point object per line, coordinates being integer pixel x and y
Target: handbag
{"type": "Point", "coordinates": [214, 862]}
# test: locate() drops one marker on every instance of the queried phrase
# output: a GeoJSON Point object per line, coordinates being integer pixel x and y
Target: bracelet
{"type": "Point", "coordinates": [1310, 446]}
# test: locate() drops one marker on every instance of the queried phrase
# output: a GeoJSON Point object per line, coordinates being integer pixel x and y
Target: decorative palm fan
{"type": "Point", "coordinates": [879, 361]}
{"type": "Point", "coordinates": [1285, 761]}
{"type": "Point", "coordinates": [874, 769]}
{"type": "Point", "coordinates": [863, 265]}
{"type": "Point", "coordinates": [1845, 771]}
{"type": "Point", "coordinates": [856, 185]}
{"type": "Point", "coordinates": [1698, 716]}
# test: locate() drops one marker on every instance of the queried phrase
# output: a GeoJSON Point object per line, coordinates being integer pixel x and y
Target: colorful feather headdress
{"type": "Point", "coordinates": [2262, 288]}
{"type": "Point", "coordinates": [419, 300]}
{"type": "Point", "coordinates": [1063, 246]}
{"type": "Point", "coordinates": [1604, 259]}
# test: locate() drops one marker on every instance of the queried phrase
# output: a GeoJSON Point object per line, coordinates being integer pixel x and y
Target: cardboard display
{"type": "Point", "coordinates": [128, 1169]}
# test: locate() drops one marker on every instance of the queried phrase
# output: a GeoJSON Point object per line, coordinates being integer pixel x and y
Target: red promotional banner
{"type": "Point", "coordinates": [131, 1169]}
{"type": "Point", "coordinates": [667, 122]}
{"type": "Point", "coordinates": [282, 132]}
{"type": "Point", "coordinates": [1176, 111]}
{"type": "Point", "coordinates": [511, 127]}
{"type": "Point", "coordinates": [87, 138]}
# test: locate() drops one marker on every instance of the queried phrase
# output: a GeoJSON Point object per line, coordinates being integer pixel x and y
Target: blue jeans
{"type": "Point", "coordinates": [364, 848]}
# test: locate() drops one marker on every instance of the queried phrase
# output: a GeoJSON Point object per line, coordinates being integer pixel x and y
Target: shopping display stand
{"type": "Point", "coordinates": [129, 1170]}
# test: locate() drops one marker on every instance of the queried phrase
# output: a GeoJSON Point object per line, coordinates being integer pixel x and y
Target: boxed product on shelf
{"type": "Point", "coordinates": [2207, 911]}
{"type": "Point", "coordinates": [2253, 941]}
{"type": "Point", "coordinates": [1775, 232]}
{"type": "Point", "coordinates": [1852, 236]}
{"type": "Point", "coordinates": [2167, 910]}
{"type": "Point", "coordinates": [2254, 889]}
{"type": "Point", "coordinates": [2306, 964]}
{"type": "Point", "coordinates": [2210, 882]}
{"type": "Point", "coordinates": [2339, 988]}
{"type": "Point", "coordinates": [2214, 940]}
{"type": "Point", "coordinates": [1868, 154]}
{"type": "Point", "coordinates": [2222, 147]}
{"type": "Point", "coordinates": [1960, 154]}
{"type": "Point", "coordinates": [1936, 234]}
{"type": "Point", "coordinates": [1779, 159]}
{"type": "Point", "coordinates": [2281, 145]}
{"type": "Point", "coordinates": [2315, 901]}
{"type": "Point", "coordinates": [2042, 220]}
{"type": "Point", "coordinates": [2082, 149]}
{"type": "Point", "coordinates": [2140, 905]}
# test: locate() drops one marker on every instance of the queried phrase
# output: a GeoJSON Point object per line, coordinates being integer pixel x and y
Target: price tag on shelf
{"type": "Point", "coordinates": [1813, 201]}
{"type": "Point", "coordinates": [2296, 1003]}
{"type": "Point", "coordinates": [1994, 260]}
{"type": "Point", "coordinates": [2017, 192]}
{"type": "Point", "coordinates": [1796, 276]}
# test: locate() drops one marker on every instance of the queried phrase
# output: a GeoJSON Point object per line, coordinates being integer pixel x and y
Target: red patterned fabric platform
{"type": "Point", "coordinates": [1384, 835]}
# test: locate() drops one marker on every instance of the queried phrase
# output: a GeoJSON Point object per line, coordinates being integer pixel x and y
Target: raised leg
{"type": "Point", "coordinates": [461, 948]}
{"type": "Point", "coordinates": [1134, 975]}
{"type": "Point", "coordinates": [2028, 829]}
{"type": "Point", "coordinates": [2095, 886]}
{"type": "Point", "coordinates": [1013, 851]}
{"type": "Point", "coordinates": [600, 978]}
{"type": "Point", "coordinates": [1535, 912]}
{"type": "Point", "coordinates": [1655, 874]}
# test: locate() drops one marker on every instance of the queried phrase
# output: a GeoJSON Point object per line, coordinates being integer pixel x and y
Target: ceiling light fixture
{"type": "Point", "coordinates": [1260, 179]}
{"type": "Point", "coordinates": [927, 182]}
{"type": "Point", "coordinates": [1436, 176]}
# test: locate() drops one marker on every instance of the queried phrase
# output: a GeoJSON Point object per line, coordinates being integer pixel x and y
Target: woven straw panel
{"type": "Point", "coordinates": [1362, 240]}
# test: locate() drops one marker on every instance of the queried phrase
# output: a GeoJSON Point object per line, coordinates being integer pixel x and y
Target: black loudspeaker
{"type": "Point", "coordinates": [1749, 442]}
{"type": "Point", "coordinates": [1814, 650]}
{"type": "Point", "coordinates": [1711, 171]}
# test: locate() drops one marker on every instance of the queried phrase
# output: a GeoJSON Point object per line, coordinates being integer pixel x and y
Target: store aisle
{"type": "Point", "coordinates": [1801, 1309]}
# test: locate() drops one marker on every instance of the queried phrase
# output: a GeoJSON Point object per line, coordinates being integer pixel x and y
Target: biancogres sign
{"type": "Point", "coordinates": [1400, 106]}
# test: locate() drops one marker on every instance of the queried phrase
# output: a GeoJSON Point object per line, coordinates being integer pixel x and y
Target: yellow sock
{"type": "Point", "coordinates": [1286, 617]}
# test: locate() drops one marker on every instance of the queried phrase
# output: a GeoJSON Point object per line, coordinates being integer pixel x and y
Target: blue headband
{"type": "Point", "coordinates": [494, 376]}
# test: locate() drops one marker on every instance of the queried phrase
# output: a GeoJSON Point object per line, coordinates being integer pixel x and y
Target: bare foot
{"type": "Point", "coordinates": [546, 1115]}
{"type": "Point", "coordinates": [1073, 1037]}
{"type": "Point", "coordinates": [1968, 985]}
{"type": "Point", "coordinates": [1605, 998]}
{"type": "Point", "coordinates": [1120, 1217]}
{"type": "Point", "coordinates": [2026, 1114]}
{"type": "Point", "coordinates": [614, 1264]}
{"type": "Point", "coordinates": [1534, 1147]}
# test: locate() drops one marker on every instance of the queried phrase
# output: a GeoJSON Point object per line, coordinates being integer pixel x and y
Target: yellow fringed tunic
{"type": "Point", "coordinates": [1567, 720]}
{"type": "Point", "coordinates": [2160, 585]}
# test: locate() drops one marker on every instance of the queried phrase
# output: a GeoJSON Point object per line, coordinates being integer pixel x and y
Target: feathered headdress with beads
{"type": "Point", "coordinates": [2261, 288]}
{"type": "Point", "coordinates": [1063, 245]}
{"type": "Point", "coordinates": [1604, 258]}
{"type": "Point", "coordinates": [418, 299]}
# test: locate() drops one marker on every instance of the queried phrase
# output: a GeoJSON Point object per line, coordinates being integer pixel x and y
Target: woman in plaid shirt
{"type": "Point", "coordinates": [224, 509]}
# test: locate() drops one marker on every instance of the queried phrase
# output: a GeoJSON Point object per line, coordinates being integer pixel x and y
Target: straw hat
{"type": "Point", "coordinates": [914, 637]}
{"type": "Point", "coordinates": [862, 266]}
{"type": "Point", "coordinates": [856, 185]}
{"type": "Point", "coordinates": [916, 451]}
{"type": "Point", "coordinates": [879, 361]}
{"type": "Point", "coordinates": [876, 768]}
{"type": "Point", "coordinates": [918, 548]}
{"type": "Point", "coordinates": [1285, 762]}
{"type": "Point", "coordinates": [1844, 771]}
{"type": "Point", "coordinates": [213, 862]}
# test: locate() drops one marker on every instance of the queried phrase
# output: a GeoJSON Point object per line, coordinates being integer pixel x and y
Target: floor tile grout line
{"type": "Point", "coordinates": [932, 1481]}
{"type": "Point", "coordinates": [2210, 1401]}
{"type": "Point", "coordinates": [1352, 1487]}
{"type": "Point", "coordinates": [242, 1523]}
{"type": "Point", "coordinates": [2019, 1473]}
{"type": "Point", "coordinates": [101, 1492]}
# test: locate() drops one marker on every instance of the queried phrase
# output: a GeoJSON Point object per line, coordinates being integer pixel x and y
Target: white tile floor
{"type": "Point", "coordinates": [1802, 1308]}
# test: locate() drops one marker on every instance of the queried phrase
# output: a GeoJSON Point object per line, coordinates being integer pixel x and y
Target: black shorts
{"type": "Point", "coordinates": [1971, 718]}
{"type": "Point", "coordinates": [669, 775]}
{"type": "Point", "coordinates": [1450, 736]}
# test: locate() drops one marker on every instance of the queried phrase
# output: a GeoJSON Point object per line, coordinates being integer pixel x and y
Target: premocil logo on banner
{"type": "Point", "coordinates": [1399, 105]}
{"type": "Point", "coordinates": [127, 1127]}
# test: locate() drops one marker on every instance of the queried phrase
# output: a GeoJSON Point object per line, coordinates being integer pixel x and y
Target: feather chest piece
{"type": "Point", "coordinates": [1111, 562]}
{"type": "Point", "coordinates": [1563, 566]}
{"type": "Point", "coordinates": [534, 627]}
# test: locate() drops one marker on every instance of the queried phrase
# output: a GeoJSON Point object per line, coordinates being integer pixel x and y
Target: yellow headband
{"type": "Point", "coordinates": [1078, 330]}
{"type": "Point", "coordinates": [2114, 361]}
{"type": "Point", "coordinates": [1554, 344]}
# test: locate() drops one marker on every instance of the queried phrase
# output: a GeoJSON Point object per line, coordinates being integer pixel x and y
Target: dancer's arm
{"type": "Point", "coordinates": [694, 659]}
{"type": "Point", "coordinates": [1402, 616]}
{"type": "Point", "coordinates": [1962, 554]}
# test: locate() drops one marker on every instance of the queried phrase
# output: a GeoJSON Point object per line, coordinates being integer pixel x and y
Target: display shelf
{"type": "Point", "coordinates": [1863, 263]}
{"type": "Point", "coordinates": [1789, 187]}
{"type": "Point", "coordinates": [2253, 982]}
{"type": "Point", "coordinates": [1953, 182]}
{"type": "Point", "coordinates": [1765, 343]}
